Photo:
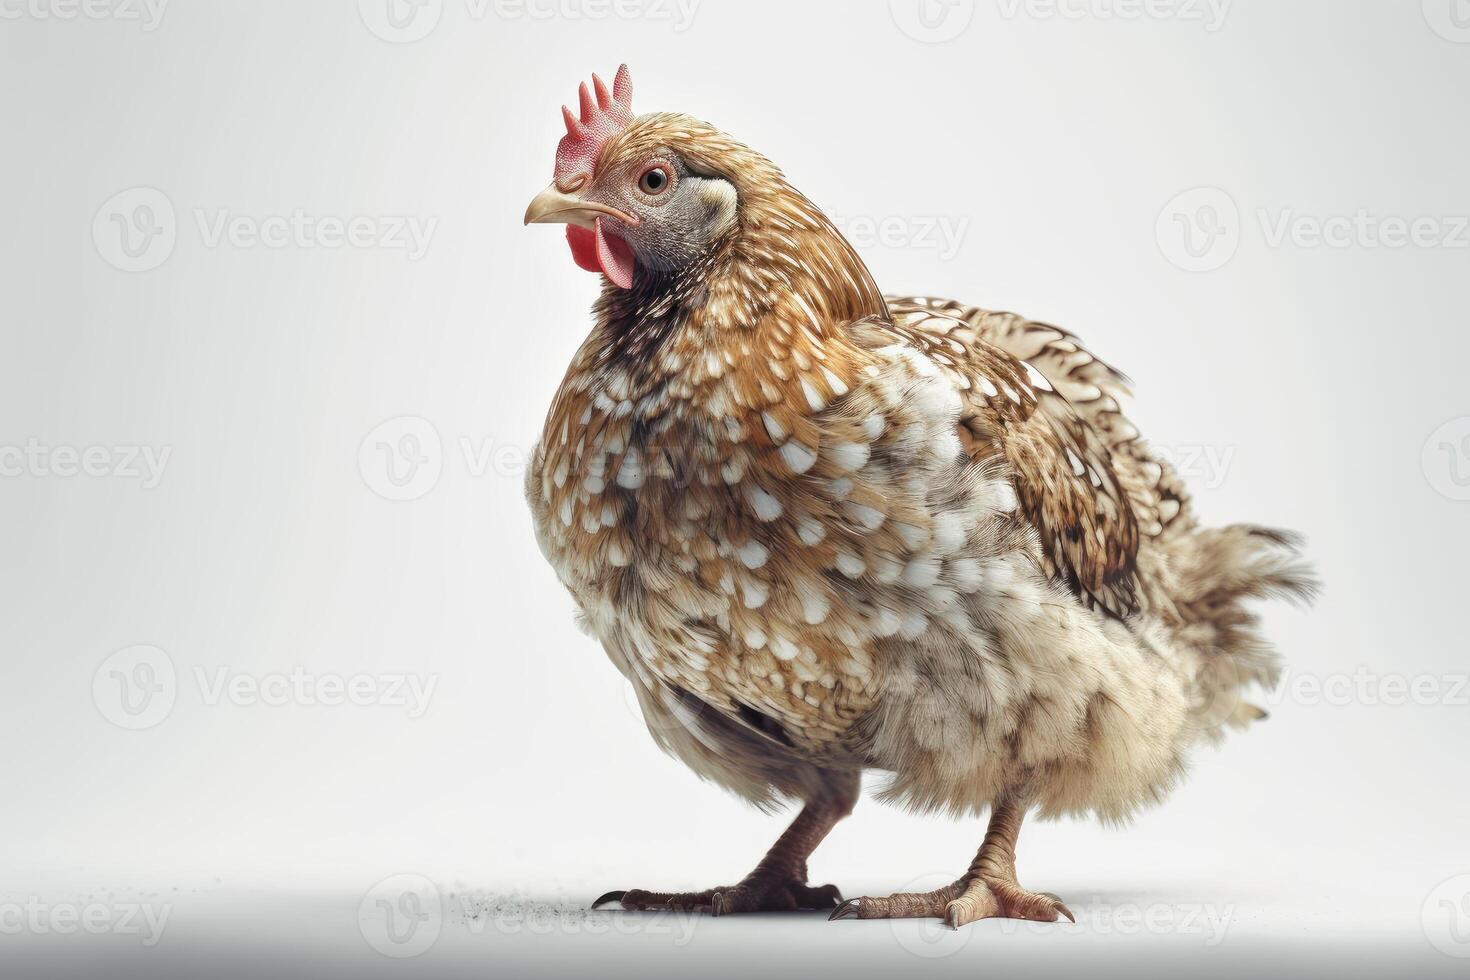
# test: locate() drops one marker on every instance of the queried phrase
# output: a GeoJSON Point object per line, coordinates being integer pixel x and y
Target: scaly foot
{"type": "Point", "coordinates": [972, 897]}
{"type": "Point", "coordinates": [757, 893]}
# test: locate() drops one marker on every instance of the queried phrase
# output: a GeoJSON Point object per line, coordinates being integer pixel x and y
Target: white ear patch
{"type": "Point", "coordinates": [719, 197]}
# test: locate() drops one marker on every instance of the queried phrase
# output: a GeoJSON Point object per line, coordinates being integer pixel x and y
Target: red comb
{"type": "Point", "coordinates": [578, 149]}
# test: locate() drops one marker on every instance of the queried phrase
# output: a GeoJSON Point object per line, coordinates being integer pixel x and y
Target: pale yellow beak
{"type": "Point", "coordinates": [552, 205]}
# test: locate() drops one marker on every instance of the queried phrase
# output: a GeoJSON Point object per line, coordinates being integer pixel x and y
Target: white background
{"type": "Point", "coordinates": [1016, 155]}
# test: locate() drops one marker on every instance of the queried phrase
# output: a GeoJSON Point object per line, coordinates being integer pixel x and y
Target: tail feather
{"type": "Point", "coordinates": [1216, 572]}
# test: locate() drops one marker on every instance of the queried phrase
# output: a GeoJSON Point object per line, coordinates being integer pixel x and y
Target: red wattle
{"type": "Point", "coordinates": [615, 256]}
{"type": "Point", "coordinates": [584, 248]}
{"type": "Point", "coordinates": [601, 251]}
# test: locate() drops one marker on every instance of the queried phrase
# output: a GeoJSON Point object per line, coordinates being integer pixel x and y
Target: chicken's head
{"type": "Point", "coordinates": [651, 192]}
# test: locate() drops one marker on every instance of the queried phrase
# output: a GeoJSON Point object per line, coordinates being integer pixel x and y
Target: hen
{"type": "Point", "coordinates": [823, 531]}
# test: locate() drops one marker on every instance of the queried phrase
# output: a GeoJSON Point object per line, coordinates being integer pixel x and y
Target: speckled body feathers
{"type": "Point", "coordinates": [822, 530]}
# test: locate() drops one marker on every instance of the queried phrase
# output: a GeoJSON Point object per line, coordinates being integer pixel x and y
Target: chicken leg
{"type": "Point", "coordinates": [778, 883]}
{"type": "Point", "coordinates": [989, 890]}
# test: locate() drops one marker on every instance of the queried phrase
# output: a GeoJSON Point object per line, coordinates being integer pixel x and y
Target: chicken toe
{"type": "Point", "coordinates": [989, 890]}
{"type": "Point", "coordinates": [778, 883]}
{"type": "Point", "coordinates": [756, 893]}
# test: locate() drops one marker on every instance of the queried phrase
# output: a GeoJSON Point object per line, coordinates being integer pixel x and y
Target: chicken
{"type": "Point", "coordinates": [823, 531]}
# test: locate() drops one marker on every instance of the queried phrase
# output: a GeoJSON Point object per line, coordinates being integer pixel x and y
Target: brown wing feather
{"type": "Point", "coordinates": [1095, 389]}
{"type": "Point", "coordinates": [1063, 471]}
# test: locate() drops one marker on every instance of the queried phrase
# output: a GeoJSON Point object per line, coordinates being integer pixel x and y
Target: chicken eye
{"type": "Point", "coordinates": [655, 180]}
